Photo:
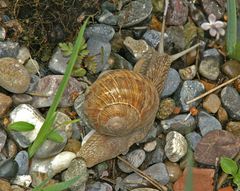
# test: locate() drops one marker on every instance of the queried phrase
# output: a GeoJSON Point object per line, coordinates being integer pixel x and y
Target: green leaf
{"type": "Point", "coordinates": [20, 126]}
{"type": "Point", "coordinates": [229, 166]}
{"type": "Point", "coordinates": [80, 72]}
{"type": "Point", "coordinates": [236, 179]}
{"type": "Point", "coordinates": [55, 136]}
{"type": "Point", "coordinates": [51, 114]}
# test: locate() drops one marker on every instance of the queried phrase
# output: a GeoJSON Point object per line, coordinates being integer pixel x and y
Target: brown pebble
{"type": "Point", "coordinates": [208, 86]}
{"type": "Point", "coordinates": [191, 57]}
{"type": "Point", "coordinates": [5, 104]}
{"type": "Point", "coordinates": [73, 145]}
{"type": "Point", "coordinates": [222, 115]}
{"type": "Point", "coordinates": [237, 84]}
{"type": "Point", "coordinates": [212, 103]}
{"type": "Point", "coordinates": [234, 127]}
{"type": "Point", "coordinates": [231, 68]}
{"type": "Point", "coordinates": [5, 186]}
{"type": "Point", "coordinates": [166, 108]}
{"type": "Point", "coordinates": [174, 170]}
{"type": "Point", "coordinates": [11, 148]}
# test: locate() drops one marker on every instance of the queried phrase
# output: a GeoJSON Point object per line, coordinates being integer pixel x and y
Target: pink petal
{"type": "Point", "coordinates": [219, 24]}
{"type": "Point", "coordinates": [221, 31]}
{"type": "Point", "coordinates": [211, 18]}
{"type": "Point", "coordinates": [205, 26]}
{"type": "Point", "coordinates": [213, 32]}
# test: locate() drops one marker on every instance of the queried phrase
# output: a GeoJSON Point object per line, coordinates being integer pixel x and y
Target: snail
{"type": "Point", "coordinates": [121, 105]}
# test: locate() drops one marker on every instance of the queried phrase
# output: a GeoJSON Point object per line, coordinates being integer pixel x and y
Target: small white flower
{"type": "Point", "coordinates": [215, 27]}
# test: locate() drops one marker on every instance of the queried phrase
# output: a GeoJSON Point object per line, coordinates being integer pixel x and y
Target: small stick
{"type": "Point", "coordinates": [146, 177]}
{"type": "Point", "coordinates": [212, 90]}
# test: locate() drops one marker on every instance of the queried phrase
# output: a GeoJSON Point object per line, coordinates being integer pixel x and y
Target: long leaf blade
{"type": "Point", "coordinates": [20, 126]}
{"type": "Point", "coordinates": [55, 136]}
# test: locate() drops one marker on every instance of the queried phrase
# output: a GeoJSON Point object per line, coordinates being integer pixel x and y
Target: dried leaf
{"type": "Point", "coordinates": [216, 144]}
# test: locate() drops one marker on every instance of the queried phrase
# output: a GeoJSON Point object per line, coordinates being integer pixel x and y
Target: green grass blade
{"type": "Point", "coordinates": [20, 126]}
{"type": "Point", "coordinates": [47, 125]}
{"type": "Point", "coordinates": [55, 136]}
{"type": "Point", "coordinates": [189, 180]}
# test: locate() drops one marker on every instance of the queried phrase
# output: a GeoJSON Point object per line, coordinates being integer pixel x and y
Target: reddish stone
{"type": "Point", "coordinates": [5, 104]}
{"type": "Point", "coordinates": [229, 188]}
{"type": "Point", "coordinates": [202, 180]}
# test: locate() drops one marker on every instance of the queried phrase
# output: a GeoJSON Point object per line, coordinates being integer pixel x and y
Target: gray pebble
{"type": "Point", "coordinates": [207, 123]}
{"type": "Point", "coordinates": [33, 83]}
{"type": "Point", "coordinates": [3, 138]}
{"type": "Point", "coordinates": [213, 53]}
{"type": "Point", "coordinates": [32, 66]}
{"type": "Point", "coordinates": [179, 124]}
{"type": "Point", "coordinates": [172, 83]}
{"type": "Point", "coordinates": [21, 99]}
{"type": "Point", "coordinates": [23, 162]}
{"type": "Point", "coordinates": [99, 186]}
{"type": "Point", "coordinates": [152, 37]}
{"type": "Point", "coordinates": [3, 33]}
{"type": "Point", "coordinates": [8, 169]}
{"type": "Point", "coordinates": [9, 49]}
{"type": "Point", "coordinates": [209, 68]}
{"type": "Point", "coordinates": [214, 7]}
{"type": "Point", "coordinates": [108, 18]}
{"type": "Point", "coordinates": [193, 138]}
{"type": "Point", "coordinates": [231, 101]}
{"type": "Point", "coordinates": [23, 55]}
{"type": "Point", "coordinates": [106, 5]}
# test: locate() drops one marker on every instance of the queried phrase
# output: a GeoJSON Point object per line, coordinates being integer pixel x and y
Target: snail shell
{"type": "Point", "coordinates": [121, 102]}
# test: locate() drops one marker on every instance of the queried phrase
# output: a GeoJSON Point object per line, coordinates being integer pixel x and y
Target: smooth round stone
{"type": "Point", "coordinates": [231, 68]}
{"type": "Point", "coordinates": [166, 108]}
{"type": "Point", "coordinates": [5, 104]}
{"type": "Point", "coordinates": [174, 171]}
{"type": "Point", "coordinates": [193, 138]}
{"type": "Point", "coordinates": [100, 31]}
{"type": "Point", "coordinates": [172, 83]}
{"type": "Point", "coordinates": [179, 124]}
{"type": "Point", "coordinates": [108, 18]}
{"type": "Point", "coordinates": [177, 13]}
{"type": "Point", "coordinates": [157, 171]}
{"type": "Point", "coordinates": [11, 148]}
{"type": "Point", "coordinates": [214, 7]}
{"type": "Point", "coordinates": [8, 169]}
{"type": "Point", "coordinates": [21, 99]}
{"type": "Point", "coordinates": [52, 165]}
{"type": "Point", "coordinates": [101, 51]}
{"type": "Point", "coordinates": [22, 180]}
{"type": "Point", "coordinates": [207, 123]}
{"type": "Point", "coordinates": [150, 146]}
{"type": "Point", "coordinates": [23, 162]}
{"type": "Point", "coordinates": [3, 138]}
{"type": "Point", "coordinates": [108, 6]}
{"type": "Point", "coordinates": [73, 145]}
{"type": "Point", "coordinates": [153, 37]}
{"type": "Point", "coordinates": [13, 76]}
{"type": "Point", "coordinates": [134, 13]}
{"type": "Point", "coordinates": [209, 68]}
{"type": "Point", "coordinates": [5, 185]}
{"type": "Point", "coordinates": [189, 90]}
{"type": "Point", "coordinates": [188, 73]}
{"type": "Point", "coordinates": [9, 49]}
{"type": "Point", "coordinates": [48, 86]}
{"type": "Point", "coordinates": [99, 186]}
{"type": "Point", "coordinates": [58, 62]}
{"type": "Point", "coordinates": [176, 146]}
{"type": "Point", "coordinates": [23, 55]}
{"type": "Point", "coordinates": [51, 148]}
{"type": "Point", "coordinates": [222, 115]}
{"type": "Point", "coordinates": [3, 33]}
{"type": "Point", "coordinates": [231, 101]}
{"type": "Point", "coordinates": [32, 66]}
{"type": "Point", "coordinates": [234, 127]}
{"type": "Point", "coordinates": [213, 53]}
{"type": "Point", "coordinates": [212, 103]}
{"type": "Point", "coordinates": [77, 168]}
{"type": "Point", "coordinates": [135, 158]}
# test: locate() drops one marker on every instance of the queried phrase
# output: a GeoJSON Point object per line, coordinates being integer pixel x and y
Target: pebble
{"type": "Point", "coordinates": [21, 99]}
{"type": "Point", "coordinates": [58, 62]}
{"type": "Point", "coordinates": [174, 171]}
{"type": "Point", "coordinates": [116, 61]}
{"type": "Point", "coordinates": [176, 146]}
{"type": "Point", "coordinates": [8, 169]}
{"type": "Point", "coordinates": [197, 15]}
{"type": "Point", "coordinates": [212, 53]}
{"type": "Point", "coordinates": [212, 103]}
{"type": "Point", "coordinates": [207, 123]}
{"type": "Point", "coordinates": [193, 138]}
{"type": "Point", "coordinates": [3, 138]}
{"type": "Point", "coordinates": [150, 146]}
{"type": "Point", "coordinates": [33, 83]}
{"type": "Point", "coordinates": [231, 102]}
{"type": "Point", "coordinates": [108, 6]}
{"type": "Point", "coordinates": [175, 37]}
{"type": "Point", "coordinates": [9, 49]}
{"type": "Point", "coordinates": [222, 115]}
{"type": "Point", "coordinates": [38, 178]}
{"type": "Point", "coordinates": [209, 68]}
{"type": "Point", "coordinates": [23, 55]}
{"type": "Point", "coordinates": [189, 90]}
{"type": "Point", "coordinates": [166, 108]}
{"type": "Point", "coordinates": [152, 134]}
{"type": "Point", "coordinates": [234, 127]}
{"type": "Point", "coordinates": [73, 145]}
{"type": "Point", "coordinates": [135, 158]}
{"type": "Point", "coordinates": [179, 124]}
{"type": "Point", "coordinates": [3, 33]}
{"type": "Point", "coordinates": [99, 186]}
{"type": "Point", "coordinates": [32, 66]}
{"type": "Point", "coordinates": [214, 7]}
{"type": "Point", "coordinates": [77, 167]}
{"type": "Point", "coordinates": [101, 51]}
{"type": "Point", "coordinates": [100, 31]}
{"type": "Point", "coordinates": [5, 185]}
{"type": "Point", "coordinates": [23, 162]}
{"type": "Point", "coordinates": [17, 188]}
{"type": "Point", "coordinates": [177, 13]}
{"type": "Point", "coordinates": [11, 148]}
{"type": "Point", "coordinates": [231, 68]}
{"type": "Point", "coordinates": [48, 86]}
{"type": "Point", "coordinates": [153, 37]}
{"type": "Point", "coordinates": [52, 165]}
{"type": "Point", "coordinates": [171, 84]}
{"type": "Point", "coordinates": [13, 76]}
{"type": "Point", "coordinates": [188, 73]}
{"type": "Point", "coordinates": [108, 18]}
{"type": "Point", "coordinates": [5, 104]}
{"type": "Point", "coordinates": [27, 113]}
{"type": "Point", "coordinates": [22, 180]}
{"type": "Point", "coordinates": [157, 171]}
{"type": "Point", "coordinates": [134, 13]}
